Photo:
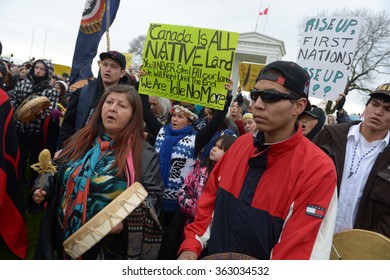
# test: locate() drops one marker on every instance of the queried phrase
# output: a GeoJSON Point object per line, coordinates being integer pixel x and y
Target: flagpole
{"type": "Point", "coordinates": [32, 41]}
{"type": "Point", "coordinates": [257, 21]}
{"type": "Point", "coordinates": [44, 43]}
{"type": "Point", "coordinates": [108, 24]}
{"type": "Point", "coordinates": [258, 15]}
{"type": "Point", "coordinates": [265, 25]}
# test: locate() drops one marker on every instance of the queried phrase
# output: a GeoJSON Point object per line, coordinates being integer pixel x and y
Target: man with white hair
{"type": "Point", "coordinates": [160, 107]}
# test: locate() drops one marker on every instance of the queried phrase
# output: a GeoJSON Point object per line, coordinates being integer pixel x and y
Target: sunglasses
{"type": "Point", "coordinates": [270, 96]}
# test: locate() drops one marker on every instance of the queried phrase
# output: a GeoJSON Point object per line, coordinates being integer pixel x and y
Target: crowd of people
{"type": "Point", "coordinates": [270, 178]}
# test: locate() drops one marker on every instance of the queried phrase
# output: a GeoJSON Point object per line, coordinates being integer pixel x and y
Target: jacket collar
{"type": "Point", "coordinates": [279, 147]}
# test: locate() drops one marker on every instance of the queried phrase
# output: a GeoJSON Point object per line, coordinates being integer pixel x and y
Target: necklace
{"type": "Point", "coordinates": [351, 172]}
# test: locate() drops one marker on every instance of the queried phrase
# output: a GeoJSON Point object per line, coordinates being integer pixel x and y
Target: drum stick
{"type": "Point", "coordinates": [44, 165]}
{"type": "Point", "coordinates": [337, 253]}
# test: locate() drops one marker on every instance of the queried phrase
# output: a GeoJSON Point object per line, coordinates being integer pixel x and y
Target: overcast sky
{"type": "Point", "coordinates": [49, 28]}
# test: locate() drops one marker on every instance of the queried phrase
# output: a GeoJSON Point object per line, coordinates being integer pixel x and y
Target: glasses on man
{"type": "Point", "coordinates": [270, 96]}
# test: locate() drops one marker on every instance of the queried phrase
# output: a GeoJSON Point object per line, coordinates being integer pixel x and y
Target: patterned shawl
{"type": "Point", "coordinates": [74, 199]}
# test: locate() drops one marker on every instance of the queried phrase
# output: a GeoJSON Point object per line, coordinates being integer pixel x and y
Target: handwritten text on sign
{"type": "Point", "coordinates": [327, 51]}
{"type": "Point", "coordinates": [188, 64]}
{"type": "Point", "coordinates": [248, 74]}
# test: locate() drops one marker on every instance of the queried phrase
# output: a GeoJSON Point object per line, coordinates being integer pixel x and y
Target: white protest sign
{"type": "Point", "coordinates": [327, 51]}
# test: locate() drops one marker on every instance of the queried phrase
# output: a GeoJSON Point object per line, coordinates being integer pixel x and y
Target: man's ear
{"type": "Point", "coordinates": [300, 106]}
{"type": "Point", "coordinates": [123, 72]}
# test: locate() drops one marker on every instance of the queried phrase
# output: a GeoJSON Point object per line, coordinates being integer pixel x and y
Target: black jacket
{"type": "Point", "coordinates": [374, 209]}
{"type": "Point", "coordinates": [50, 240]}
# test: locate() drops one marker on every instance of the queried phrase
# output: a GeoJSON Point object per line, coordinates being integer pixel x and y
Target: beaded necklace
{"type": "Point", "coordinates": [351, 172]}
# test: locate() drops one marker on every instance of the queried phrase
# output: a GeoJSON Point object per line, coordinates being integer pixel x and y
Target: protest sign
{"type": "Point", "coordinates": [327, 51]}
{"type": "Point", "coordinates": [129, 59]}
{"type": "Point", "coordinates": [188, 64]}
{"type": "Point", "coordinates": [248, 74]}
{"type": "Point", "coordinates": [59, 69]}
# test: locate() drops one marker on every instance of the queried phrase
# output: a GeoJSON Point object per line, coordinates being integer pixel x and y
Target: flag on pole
{"type": "Point", "coordinates": [13, 229]}
{"type": "Point", "coordinates": [92, 27]}
{"type": "Point", "coordinates": [265, 12]}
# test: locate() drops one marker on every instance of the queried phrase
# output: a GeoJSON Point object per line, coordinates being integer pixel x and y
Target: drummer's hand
{"type": "Point", "coordinates": [39, 196]}
{"type": "Point", "coordinates": [57, 154]}
{"type": "Point", "coordinates": [187, 255]}
{"type": "Point", "coordinates": [117, 229]}
{"type": "Point", "coordinates": [37, 111]}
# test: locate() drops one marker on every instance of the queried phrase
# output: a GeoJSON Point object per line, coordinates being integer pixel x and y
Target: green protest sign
{"type": "Point", "coordinates": [188, 64]}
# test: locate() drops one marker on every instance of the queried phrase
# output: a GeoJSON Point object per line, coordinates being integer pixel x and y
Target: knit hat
{"type": "Point", "coordinates": [294, 78]}
{"type": "Point", "coordinates": [61, 82]}
{"type": "Point", "coordinates": [247, 116]}
{"type": "Point", "coordinates": [117, 56]}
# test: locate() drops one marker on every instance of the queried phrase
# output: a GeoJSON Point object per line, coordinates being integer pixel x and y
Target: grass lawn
{"type": "Point", "coordinates": [32, 221]}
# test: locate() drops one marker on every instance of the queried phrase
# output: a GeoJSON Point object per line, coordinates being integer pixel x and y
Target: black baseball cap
{"type": "Point", "coordinates": [315, 112]}
{"type": "Point", "coordinates": [117, 56]}
{"type": "Point", "coordinates": [294, 78]}
{"type": "Point", "coordinates": [382, 89]}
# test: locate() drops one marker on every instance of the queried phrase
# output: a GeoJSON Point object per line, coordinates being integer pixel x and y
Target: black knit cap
{"type": "Point", "coordinates": [294, 78]}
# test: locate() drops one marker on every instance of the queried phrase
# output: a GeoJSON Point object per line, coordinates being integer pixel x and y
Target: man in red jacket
{"type": "Point", "coordinates": [272, 195]}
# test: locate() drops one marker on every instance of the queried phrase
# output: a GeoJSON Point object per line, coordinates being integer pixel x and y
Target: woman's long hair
{"type": "Point", "coordinates": [132, 134]}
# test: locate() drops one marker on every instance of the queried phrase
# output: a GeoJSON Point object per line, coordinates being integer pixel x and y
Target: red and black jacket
{"type": "Point", "coordinates": [268, 201]}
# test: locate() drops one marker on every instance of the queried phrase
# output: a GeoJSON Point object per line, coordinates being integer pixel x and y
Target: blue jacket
{"type": "Point", "coordinates": [81, 105]}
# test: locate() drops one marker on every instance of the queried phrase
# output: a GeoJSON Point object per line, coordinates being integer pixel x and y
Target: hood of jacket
{"type": "Point", "coordinates": [41, 81]}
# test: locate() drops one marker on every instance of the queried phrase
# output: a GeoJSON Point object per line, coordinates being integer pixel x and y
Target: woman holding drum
{"type": "Point", "coordinates": [97, 164]}
{"type": "Point", "coordinates": [33, 97]}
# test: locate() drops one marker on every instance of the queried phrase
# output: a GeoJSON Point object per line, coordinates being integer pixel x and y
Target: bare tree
{"type": "Point", "coordinates": [137, 48]}
{"type": "Point", "coordinates": [372, 57]}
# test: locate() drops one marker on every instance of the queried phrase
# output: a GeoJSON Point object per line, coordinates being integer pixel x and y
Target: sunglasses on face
{"type": "Point", "coordinates": [270, 96]}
